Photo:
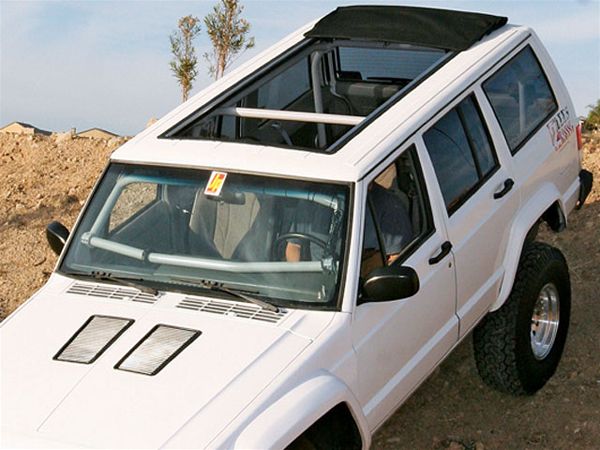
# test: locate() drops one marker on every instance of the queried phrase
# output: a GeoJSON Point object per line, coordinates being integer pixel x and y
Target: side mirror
{"type": "Point", "coordinates": [390, 283]}
{"type": "Point", "coordinates": [57, 234]}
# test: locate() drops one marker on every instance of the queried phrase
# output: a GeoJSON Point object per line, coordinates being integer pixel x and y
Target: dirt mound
{"type": "Point", "coordinates": [48, 178]}
{"type": "Point", "coordinates": [42, 178]}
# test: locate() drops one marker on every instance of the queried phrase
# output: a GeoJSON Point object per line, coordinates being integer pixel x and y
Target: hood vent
{"type": "Point", "coordinates": [157, 349]}
{"type": "Point", "coordinates": [114, 292]}
{"type": "Point", "coordinates": [235, 309]}
{"type": "Point", "coordinates": [92, 339]}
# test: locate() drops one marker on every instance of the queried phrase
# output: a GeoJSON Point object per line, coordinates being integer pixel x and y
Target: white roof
{"type": "Point", "coordinates": [349, 163]}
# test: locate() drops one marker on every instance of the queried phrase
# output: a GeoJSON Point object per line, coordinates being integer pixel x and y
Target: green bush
{"type": "Point", "coordinates": [592, 121]}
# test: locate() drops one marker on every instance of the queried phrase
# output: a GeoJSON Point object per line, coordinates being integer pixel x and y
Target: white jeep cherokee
{"type": "Point", "coordinates": [284, 258]}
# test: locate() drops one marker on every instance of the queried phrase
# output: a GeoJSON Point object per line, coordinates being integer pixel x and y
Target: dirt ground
{"type": "Point", "coordinates": [48, 178]}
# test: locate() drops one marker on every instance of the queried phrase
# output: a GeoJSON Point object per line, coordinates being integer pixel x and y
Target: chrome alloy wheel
{"type": "Point", "coordinates": [545, 321]}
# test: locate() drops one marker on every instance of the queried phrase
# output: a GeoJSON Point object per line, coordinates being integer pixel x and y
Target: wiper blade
{"type": "Point", "coordinates": [220, 287]}
{"type": "Point", "coordinates": [125, 281]}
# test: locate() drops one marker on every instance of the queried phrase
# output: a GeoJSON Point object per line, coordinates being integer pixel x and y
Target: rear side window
{"type": "Point", "coordinates": [385, 65]}
{"type": "Point", "coordinates": [521, 97]}
{"type": "Point", "coordinates": [461, 152]}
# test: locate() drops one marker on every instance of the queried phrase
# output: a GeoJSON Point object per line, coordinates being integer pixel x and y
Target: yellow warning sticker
{"type": "Point", "coordinates": [215, 183]}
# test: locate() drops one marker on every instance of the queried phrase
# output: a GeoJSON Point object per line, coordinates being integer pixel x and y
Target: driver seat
{"type": "Point", "coordinates": [237, 232]}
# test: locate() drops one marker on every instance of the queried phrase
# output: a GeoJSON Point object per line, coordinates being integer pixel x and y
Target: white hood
{"type": "Point", "coordinates": [96, 405]}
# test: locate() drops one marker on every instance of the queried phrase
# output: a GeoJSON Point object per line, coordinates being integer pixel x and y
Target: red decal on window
{"type": "Point", "coordinates": [215, 183]}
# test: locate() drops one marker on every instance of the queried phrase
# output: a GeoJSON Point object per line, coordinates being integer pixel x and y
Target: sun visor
{"type": "Point", "coordinates": [92, 339]}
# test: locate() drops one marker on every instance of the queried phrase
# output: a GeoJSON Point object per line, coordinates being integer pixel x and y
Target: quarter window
{"type": "Point", "coordinates": [385, 65]}
{"type": "Point", "coordinates": [461, 152]}
{"type": "Point", "coordinates": [521, 97]}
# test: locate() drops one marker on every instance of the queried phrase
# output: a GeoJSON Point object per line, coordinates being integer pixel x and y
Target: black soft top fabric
{"type": "Point", "coordinates": [427, 27]}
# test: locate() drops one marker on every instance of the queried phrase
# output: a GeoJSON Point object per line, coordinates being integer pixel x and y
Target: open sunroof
{"type": "Point", "coordinates": [320, 93]}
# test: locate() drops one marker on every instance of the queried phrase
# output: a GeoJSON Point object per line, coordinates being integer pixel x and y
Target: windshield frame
{"type": "Point", "coordinates": [337, 299]}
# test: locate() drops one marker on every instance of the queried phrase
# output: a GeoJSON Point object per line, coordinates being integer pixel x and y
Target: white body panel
{"type": "Point", "coordinates": [479, 232]}
{"type": "Point", "coordinates": [425, 324]}
{"type": "Point", "coordinates": [70, 402]}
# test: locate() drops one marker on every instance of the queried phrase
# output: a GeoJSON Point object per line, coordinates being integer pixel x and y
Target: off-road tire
{"type": "Point", "coordinates": [502, 342]}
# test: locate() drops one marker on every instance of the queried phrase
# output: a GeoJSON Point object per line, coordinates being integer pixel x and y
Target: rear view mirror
{"type": "Point", "coordinates": [230, 197]}
{"type": "Point", "coordinates": [390, 283]}
{"type": "Point", "coordinates": [57, 234]}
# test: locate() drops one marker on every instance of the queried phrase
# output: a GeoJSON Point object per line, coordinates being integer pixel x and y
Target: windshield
{"type": "Point", "coordinates": [277, 239]}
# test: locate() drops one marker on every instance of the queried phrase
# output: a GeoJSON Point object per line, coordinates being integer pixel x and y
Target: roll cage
{"type": "Point", "coordinates": [316, 95]}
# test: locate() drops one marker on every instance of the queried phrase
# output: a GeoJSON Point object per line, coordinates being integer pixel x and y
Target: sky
{"type": "Point", "coordinates": [95, 63]}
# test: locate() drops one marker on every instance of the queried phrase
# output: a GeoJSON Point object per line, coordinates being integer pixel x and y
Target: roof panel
{"type": "Point", "coordinates": [238, 157]}
{"type": "Point", "coordinates": [355, 159]}
{"type": "Point", "coordinates": [428, 27]}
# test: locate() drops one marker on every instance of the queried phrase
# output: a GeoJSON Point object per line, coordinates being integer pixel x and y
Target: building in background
{"type": "Point", "coordinates": [23, 128]}
{"type": "Point", "coordinates": [96, 133]}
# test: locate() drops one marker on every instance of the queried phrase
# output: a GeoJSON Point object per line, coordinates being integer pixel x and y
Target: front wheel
{"type": "Point", "coordinates": [518, 347]}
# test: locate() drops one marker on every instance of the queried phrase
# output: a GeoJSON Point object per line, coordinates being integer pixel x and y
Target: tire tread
{"type": "Point", "coordinates": [495, 338]}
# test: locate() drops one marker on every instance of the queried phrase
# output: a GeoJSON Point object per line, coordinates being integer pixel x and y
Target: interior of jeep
{"type": "Point", "coordinates": [315, 96]}
{"type": "Point", "coordinates": [164, 224]}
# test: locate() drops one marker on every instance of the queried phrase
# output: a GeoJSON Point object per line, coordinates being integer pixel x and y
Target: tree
{"type": "Point", "coordinates": [228, 34]}
{"type": "Point", "coordinates": [184, 63]}
{"type": "Point", "coordinates": [592, 121]}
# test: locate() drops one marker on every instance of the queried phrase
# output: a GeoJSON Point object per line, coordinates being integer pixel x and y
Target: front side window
{"type": "Point", "coordinates": [461, 152]}
{"type": "Point", "coordinates": [521, 97]}
{"type": "Point", "coordinates": [173, 229]}
{"type": "Point", "coordinates": [397, 214]}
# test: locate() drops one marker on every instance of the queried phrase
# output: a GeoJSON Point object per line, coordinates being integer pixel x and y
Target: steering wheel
{"type": "Point", "coordinates": [288, 236]}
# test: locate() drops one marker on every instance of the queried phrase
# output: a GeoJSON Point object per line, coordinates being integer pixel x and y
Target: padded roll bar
{"type": "Point", "coordinates": [290, 116]}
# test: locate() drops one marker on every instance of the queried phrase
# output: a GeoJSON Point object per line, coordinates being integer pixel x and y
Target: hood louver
{"type": "Point", "coordinates": [92, 339]}
{"type": "Point", "coordinates": [235, 309]}
{"type": "Point", "coordinates": [113, 292]}
{"type": "Point", "coordinates": [155, 350]}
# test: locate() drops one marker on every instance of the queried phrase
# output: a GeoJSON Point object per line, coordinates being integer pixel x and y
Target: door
{"type": "Point", "coordinates": [480, 200]}
{"type": "Point", "coordinates": [398, 342]}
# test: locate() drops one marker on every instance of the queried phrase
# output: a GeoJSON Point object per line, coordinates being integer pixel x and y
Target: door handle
{"type": "Point", "coordinates": [508, 185]}
{"type": "Point", "coordinates": [445, 249]}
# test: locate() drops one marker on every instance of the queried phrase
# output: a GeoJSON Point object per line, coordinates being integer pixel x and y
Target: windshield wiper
{"type": "Point", "coordinates": [124, 280]}
{"type": "Point", "coordinates": [220, 287]}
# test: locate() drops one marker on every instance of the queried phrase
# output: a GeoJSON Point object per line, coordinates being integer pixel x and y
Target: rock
{"type": "Point", "coordinates": [63, 137]}
{"type": "Point", "coordinates": [115, 142]}
{"type": "Point", "coordinates": [40, 261]}
{"type": "Point", "coordinates": [71, 199]}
